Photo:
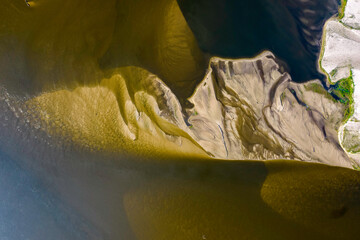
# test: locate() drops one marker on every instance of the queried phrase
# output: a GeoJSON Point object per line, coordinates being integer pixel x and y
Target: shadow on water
{"type": "Point", "coordinates": [196, 199]}
{"type": "Point", "coordinates": [98, 196]}
{"type": "Point", "coordinates": [245, 200]}
{"type": "Point", "coordinates": [291, 29]}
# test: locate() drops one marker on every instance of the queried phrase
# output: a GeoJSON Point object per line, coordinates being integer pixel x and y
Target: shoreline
{"type": "Point", "coordinates": [338, 60]}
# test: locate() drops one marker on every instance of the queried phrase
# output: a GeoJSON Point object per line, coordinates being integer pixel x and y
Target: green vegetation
{"type": "Point", "coordinates": [282, 97]}
{"type": "Point", "coordinates": [323, 44]}
{"type": "Point", "coordinates": [356, 167]}
{"type": "Point", "coordinates": [315, 87]}
{"type": "Point", "coordinates": [333, 72]}
{"type": "Point", "coordinates": [351, 142]}
{"type": "Point", "coordinates": [354, 149]}
{"type": "Point", "coordinates": [342, 8]}
{"type": "Point", "coordinates": [343, 91]}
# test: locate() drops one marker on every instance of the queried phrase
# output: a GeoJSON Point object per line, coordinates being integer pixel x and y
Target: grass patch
{"type": "Point", "coordinates": [282, 97]}
{"type": "Point", "coordinates": [351, 142]}
{"type": "Point", "coordinates": [315, 87]}
{"type": "Point", "coordinates": [356, 167]}
{"type": "Point", "coordinates": [333, 72]}
{"type": "Point", "coordinates": [342, 8]}
{"type": "Point", "coordinates": [343, 91]}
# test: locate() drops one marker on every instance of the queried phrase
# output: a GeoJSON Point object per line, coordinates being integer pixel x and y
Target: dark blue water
{"type": "Point", "coordinates": [291, 29]}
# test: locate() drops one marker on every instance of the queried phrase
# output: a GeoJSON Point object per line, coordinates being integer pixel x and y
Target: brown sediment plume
{"type": "Point", "coordinates": [254, 200]}
{"type": "Point", "coordinates": [63, 55]}
{"type": "Point", "coordinates": [51, 45]}
{"type": "Point", "coordinates": [127, 113]}
{"type": "Point", "coordinates": [93, 72]}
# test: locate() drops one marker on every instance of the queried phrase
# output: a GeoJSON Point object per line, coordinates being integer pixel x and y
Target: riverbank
{"type": "Point", "coordinates": [340, 59]}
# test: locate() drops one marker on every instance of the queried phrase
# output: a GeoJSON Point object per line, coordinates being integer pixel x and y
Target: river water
{"type": "Point", "coordinates": [291, 29]}
{"type": "Point", "coordinates": [52, 189]}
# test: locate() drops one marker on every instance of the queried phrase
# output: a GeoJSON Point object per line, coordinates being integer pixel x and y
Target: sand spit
{"type": "Point", "coordinates": [243, 109]}
{"type": "Point", "coordinates": [250, 109]}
